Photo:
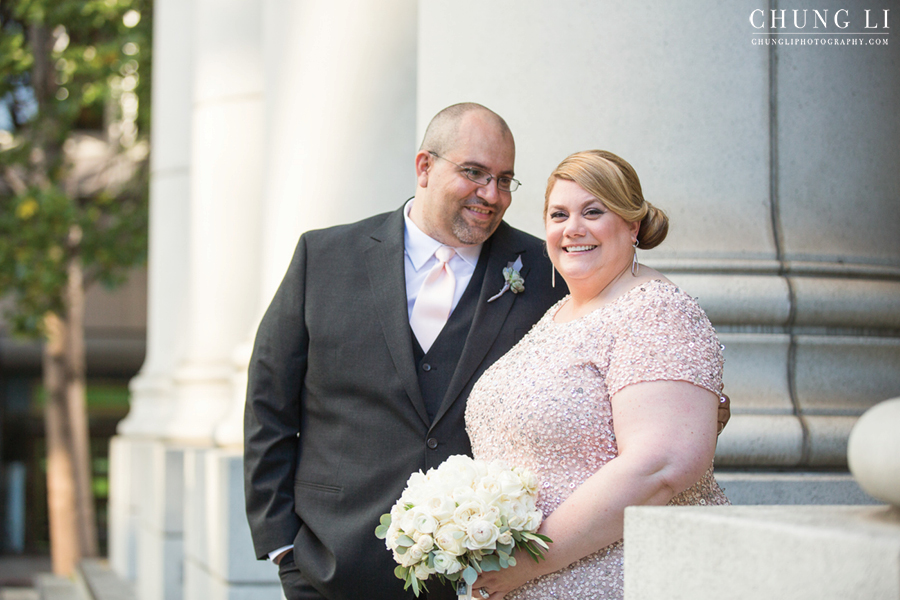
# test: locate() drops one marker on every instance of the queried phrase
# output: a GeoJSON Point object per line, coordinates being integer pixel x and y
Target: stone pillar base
{"type": "Point", "coordinates": [220, 563]}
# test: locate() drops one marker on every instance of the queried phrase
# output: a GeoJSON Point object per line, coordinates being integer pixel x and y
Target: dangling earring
{"type": "Point", "coordinates": [552, 276]}
{"type": "Point", "coordinates": [635, 267]}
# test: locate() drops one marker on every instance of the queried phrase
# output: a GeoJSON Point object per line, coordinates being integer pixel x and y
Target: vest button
{"type": "Point", "coordinates": [426, 367]}
{"type": "Point", "coordinates": [432, 443]}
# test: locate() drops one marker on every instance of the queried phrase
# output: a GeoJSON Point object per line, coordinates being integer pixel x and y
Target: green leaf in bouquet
{"type": "Point", "coordinates": [381, 530]}
{"type": "Point", "coordinates": [400, 572]}
{"type": "Point", "coordinates": [506, 548]}
{"type": "Point", "coordinates": [470, 575]}
{"type": "Point", "coordinates": [405, 541]}
{"type": "Point", "coordinates": [490, 562]}
{"type": "Point", "coordinates": [540, 539]}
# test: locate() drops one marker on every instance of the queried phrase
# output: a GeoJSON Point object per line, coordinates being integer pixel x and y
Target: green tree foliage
{"type": "Point", "coordinates": [74, 79]}
{"type": "Point", "coordinates": [71, 66]}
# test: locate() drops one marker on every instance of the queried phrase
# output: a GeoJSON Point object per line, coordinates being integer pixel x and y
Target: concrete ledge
{"type": "Point", "coordinates": [752, 552]}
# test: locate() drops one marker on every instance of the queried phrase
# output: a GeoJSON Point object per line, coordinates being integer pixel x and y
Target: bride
{"type": "Point", "coordinates": [611, 399]}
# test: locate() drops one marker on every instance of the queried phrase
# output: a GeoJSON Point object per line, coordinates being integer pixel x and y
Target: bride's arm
{"type": "Point", "coordinates": [666, 436]}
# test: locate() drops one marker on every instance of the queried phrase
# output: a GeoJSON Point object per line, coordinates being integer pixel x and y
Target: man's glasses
{"type": "Point", "coordinates": [482, 177]}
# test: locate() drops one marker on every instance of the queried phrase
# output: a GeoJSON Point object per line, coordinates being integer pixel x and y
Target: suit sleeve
{"type": "Point", "coordinates": [272, 412]}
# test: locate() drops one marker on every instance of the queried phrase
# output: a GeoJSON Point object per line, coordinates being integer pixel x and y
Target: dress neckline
{"type": "Point", "coordinates": [555, 310]}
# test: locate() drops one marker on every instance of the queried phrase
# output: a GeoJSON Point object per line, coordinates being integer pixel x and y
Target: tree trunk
{"type": "Point", "coordinates": [61, 511]}
{"type": "Point", "coordinates": [77, 408]}
{"type": "Point", "coordinates": [70, 500]}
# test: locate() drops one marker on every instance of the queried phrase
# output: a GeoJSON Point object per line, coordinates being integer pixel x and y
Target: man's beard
{"type": "Point", "coordinates": [470, 235]}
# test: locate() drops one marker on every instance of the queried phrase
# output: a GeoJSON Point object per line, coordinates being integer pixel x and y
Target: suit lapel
{"type": "Point", "coordinates": [385, 268]}
{"type": "Point", "coordinates": [489, 316]}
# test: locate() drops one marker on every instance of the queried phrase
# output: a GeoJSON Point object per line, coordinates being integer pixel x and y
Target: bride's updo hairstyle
{"type": "Point", "coordinates": [614, 182]}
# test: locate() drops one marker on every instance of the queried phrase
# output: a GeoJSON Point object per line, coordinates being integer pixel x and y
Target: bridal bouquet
{"type": "Point", "coordinates": [462, 518]}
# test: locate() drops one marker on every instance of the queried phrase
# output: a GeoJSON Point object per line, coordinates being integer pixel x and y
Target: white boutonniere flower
{"type": "Point", "coordinates": [513, 279]}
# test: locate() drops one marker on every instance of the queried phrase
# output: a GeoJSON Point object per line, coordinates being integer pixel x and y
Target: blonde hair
{"type": "Point", "coordinates": [615, 183]}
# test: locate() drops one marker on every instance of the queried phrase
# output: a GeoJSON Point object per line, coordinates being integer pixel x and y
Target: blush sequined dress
{"type": "Point", "coordinates": [545, 405]}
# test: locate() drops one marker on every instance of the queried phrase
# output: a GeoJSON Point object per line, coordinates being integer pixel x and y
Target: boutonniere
{"type": "Point", "coordinates": [512, 278]}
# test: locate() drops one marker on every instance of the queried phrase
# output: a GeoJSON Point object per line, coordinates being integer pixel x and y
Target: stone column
{"type": "Point", "coordinates": [152, 401]}
{"type": "Point", "coordinates": [339, 131]}
{"type": "Point", "coordinates": [776, 164]}
{"type": "Point", "coordinates": [339, 142]}
{"type": "Point", "coordinates": [226, 189]}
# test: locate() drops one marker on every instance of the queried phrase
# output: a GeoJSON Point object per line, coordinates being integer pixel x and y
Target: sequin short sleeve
{"type": "Point", "coordinates": [664, 335]}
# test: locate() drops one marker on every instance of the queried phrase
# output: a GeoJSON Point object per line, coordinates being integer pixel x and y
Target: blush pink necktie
{"type": "Point", "coordinates": [435, 299]}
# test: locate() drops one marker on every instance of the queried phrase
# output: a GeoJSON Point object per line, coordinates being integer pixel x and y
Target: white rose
{"type": "Point", "coordinates": [422, 521]}
{"type": "Point", "coordinates": [422, 571]}
{"type": "Point", "coordinates": [449, 538]}
{"type": "Point", "coordinates": [481, 535]}
{"type": "Point", "coordinates": [533, 521]}
{"type": "Point", "coordinates": [529, 480]}
{"type": "Point", "coordinates": [407, 522]}
{"type": "Point", "coordinates": [517, 515]}
{"type": "Point", "coordinates": [460, 468]}
{"type": "Point", "coordinates": [505, 538]}
{"type": "Point", "coordinates": [393, 534]}
{"type": "Point", "coordinates": [488, 490]}
{"type": "Point", "coordinates": [446, 563]}
{"type": "Point", "coordinates": [425, 542]}
{"type": "Point", "coordinates": [462, 494]}
{"type": "Point", "coordinates": [468, 511]}
{"type": "Point", "coordinates": [510, 484]}
{"type": "Point", "coordinates": [413, 555]}
{"type": "Point", "coordinates": [440, 506]}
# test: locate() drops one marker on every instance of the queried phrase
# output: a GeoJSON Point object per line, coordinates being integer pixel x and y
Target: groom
{"type": "Point", "coordinates": [368, 351]}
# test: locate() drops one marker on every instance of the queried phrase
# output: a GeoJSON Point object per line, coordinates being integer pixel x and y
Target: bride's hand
{"type": "Point", "coordinates": [499, 583]}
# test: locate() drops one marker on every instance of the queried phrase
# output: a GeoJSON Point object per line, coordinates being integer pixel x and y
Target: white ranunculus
{"type": "Point", "coordinates": [505, 538]}
{"type": "Point", "coordinates": [481, 535]}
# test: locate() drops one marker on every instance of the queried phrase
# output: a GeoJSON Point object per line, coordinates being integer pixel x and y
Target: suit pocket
{"type": "Point", "coordinates": [318, 487]}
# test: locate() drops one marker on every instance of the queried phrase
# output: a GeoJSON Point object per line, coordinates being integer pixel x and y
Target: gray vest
{"type": "Point", "coordinates": [435, 368]}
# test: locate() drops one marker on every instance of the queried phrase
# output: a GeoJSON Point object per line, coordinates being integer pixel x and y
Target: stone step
{"type": "Point", "coordinates": [55, 587]}
{"type": "Point", "coordinates": [93, 580]}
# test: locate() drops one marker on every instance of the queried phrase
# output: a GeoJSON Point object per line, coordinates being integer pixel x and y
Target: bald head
{"type": "Point", "coordinates": [442, 133]}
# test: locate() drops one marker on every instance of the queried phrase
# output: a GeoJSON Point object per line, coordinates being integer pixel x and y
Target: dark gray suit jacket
{"type": "Point", "coordinates": [335, 421]}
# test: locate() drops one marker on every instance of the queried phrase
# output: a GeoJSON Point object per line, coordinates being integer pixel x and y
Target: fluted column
{"type": "Point", "coordinates": [226, 188]}
{"type": "Point", "coordinates": [152, 400]}
{"type": "Point", "coordinates": [339, 134]}
{"type": "Point", "coordinates": [776, 164]}
{"type": "Point", "coordinates": [170, 158]}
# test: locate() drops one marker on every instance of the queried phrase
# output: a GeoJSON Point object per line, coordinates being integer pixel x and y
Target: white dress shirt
{"type": "Point", "coordinates": [419, 249]}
